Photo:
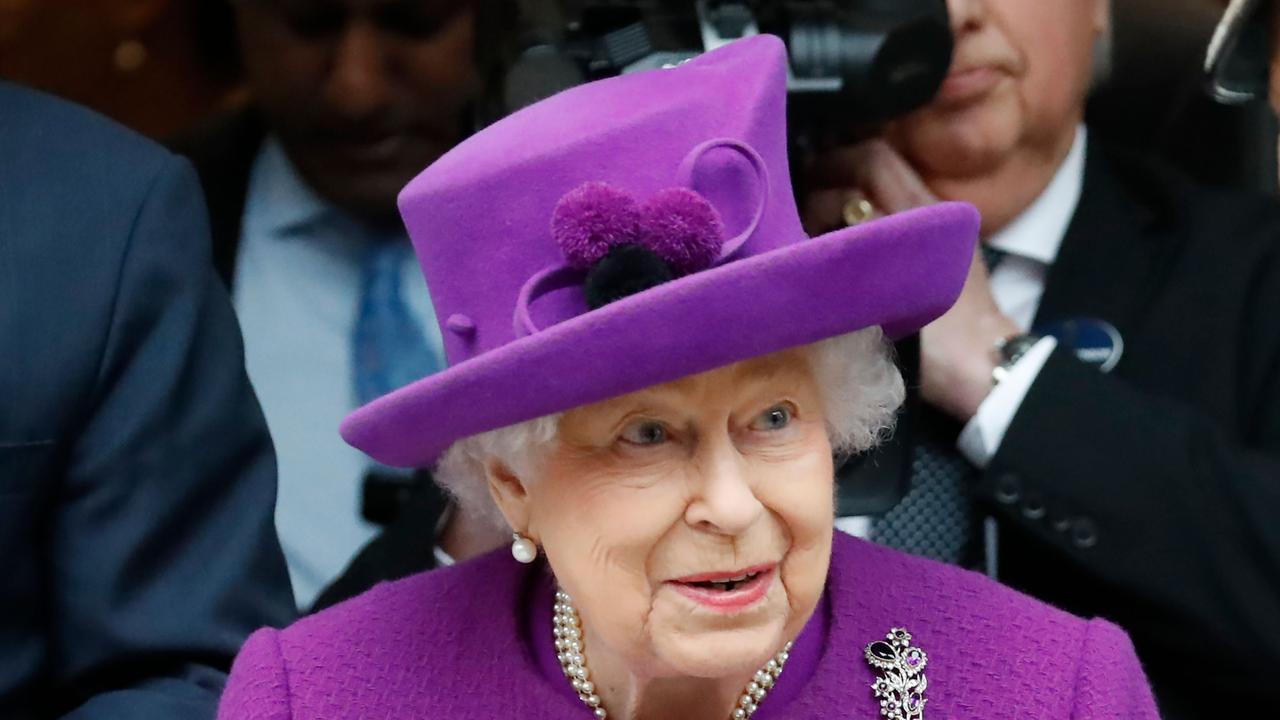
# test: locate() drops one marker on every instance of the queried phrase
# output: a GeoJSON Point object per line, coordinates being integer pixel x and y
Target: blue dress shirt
{"type": "Point", "coordinates": [297, 290]}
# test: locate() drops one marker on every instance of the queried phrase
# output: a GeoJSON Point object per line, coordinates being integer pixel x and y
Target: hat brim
{"type": "Point", "coordinates": [899, 272]}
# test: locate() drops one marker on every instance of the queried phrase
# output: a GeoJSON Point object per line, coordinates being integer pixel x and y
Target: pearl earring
{"type": "Point", "coordinates": [523, 549]}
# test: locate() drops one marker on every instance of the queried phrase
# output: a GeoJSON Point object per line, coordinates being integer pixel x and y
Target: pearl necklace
{"type": "Point", "coordinates": [569, 643]}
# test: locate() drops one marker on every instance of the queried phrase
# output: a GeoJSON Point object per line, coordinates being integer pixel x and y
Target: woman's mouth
{"type": "Point", "coordinates": [727, 592]}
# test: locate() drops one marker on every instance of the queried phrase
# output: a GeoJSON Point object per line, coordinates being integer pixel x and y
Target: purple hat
{"type": "Point", "coordinates": [633, 231]}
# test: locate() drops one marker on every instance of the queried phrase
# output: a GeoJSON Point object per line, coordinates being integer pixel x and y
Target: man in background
{"type": "Point", "coordinates": [1097, 420]}
{"type": "Point", "coordinates": [137, 480]}
{"type": "Point", "coordinates": [350, 100]}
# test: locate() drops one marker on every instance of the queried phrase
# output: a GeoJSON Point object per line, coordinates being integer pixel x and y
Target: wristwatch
{"type": "Point", "coordinates": [1008, 352]}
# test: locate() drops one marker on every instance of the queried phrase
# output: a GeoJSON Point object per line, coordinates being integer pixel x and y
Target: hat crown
{"type": "Point", "coordinates": [480, 217]}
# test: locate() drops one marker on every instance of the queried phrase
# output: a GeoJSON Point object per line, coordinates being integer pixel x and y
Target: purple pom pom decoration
{"type": "Point", "coordinates": [683, 229]}
{"type": "Point", "coordinates": [592, 219]}
{"type": "Point", "coordinates": [677, 224]}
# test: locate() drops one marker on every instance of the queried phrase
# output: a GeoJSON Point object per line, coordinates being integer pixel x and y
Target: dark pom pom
{"type": "Point", "coordinates": [625, 270]}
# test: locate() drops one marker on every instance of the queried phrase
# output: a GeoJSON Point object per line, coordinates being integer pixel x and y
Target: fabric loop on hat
{"type": "Point", "coordinates": [685, 173]}
{"type": "Point", "coordinates": [549, 279]}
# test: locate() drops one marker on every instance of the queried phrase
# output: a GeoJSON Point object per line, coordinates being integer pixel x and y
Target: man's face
{"type": "Point", "coordinates": [363, 94]}
{"type": "Point", "coordinates": [1018, 81]}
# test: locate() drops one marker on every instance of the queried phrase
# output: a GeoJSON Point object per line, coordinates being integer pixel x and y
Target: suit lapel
{"type": "Point", "coordinates": [1108, 262]}
{"type": "Point", "coordinates": [223, 157]}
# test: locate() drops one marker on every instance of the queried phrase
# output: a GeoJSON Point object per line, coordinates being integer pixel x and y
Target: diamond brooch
{"type": "Point", "coordinates": [901, 683]}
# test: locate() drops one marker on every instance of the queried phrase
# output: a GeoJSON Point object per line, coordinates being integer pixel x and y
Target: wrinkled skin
{"type": "Point", "coordinates": [712, 473]}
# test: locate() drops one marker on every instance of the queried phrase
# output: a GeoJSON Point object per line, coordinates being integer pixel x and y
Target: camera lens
{"type": "Point", "coordinates": [890, 65]}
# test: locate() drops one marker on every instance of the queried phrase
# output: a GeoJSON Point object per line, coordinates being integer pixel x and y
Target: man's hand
{"type": "Point", "coordinates": [956, 350]}
{"type": "Point", "coordinates": [870, 170]}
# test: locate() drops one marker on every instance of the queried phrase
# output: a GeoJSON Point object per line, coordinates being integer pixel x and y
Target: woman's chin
{"type": "Point", "coordinates": [700, 639]}
{"type": "Point", "coordinates": [723, 654]}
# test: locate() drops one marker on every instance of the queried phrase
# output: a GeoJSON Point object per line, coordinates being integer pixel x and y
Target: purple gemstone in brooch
{"type": "Point", "coordinates": [901, 683]}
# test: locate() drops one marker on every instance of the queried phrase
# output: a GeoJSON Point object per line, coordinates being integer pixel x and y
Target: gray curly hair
{"type": "Point", "coordinates": [862, 390]}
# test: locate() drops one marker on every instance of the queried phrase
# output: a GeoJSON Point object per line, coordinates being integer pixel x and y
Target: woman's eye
{"type": "Point", "coordinates": [646, 432]}
{"type": "Point", "coordinates": [775, 418]}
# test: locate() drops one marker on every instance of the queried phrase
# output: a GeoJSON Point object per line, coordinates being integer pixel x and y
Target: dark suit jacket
{"type": "Point", "coordinates": [223, 155]}
{"type": "Point", "coordinates": [1151, 495]}
{"type": "Point", "coordinates": [137, 480]}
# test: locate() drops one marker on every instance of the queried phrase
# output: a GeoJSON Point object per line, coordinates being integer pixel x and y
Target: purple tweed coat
{"type": "Point", "coordinates": [455, 643]}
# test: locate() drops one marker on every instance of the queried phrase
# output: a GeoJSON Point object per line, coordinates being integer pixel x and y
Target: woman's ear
{"type": "Point", "coordinates": [511, 496]}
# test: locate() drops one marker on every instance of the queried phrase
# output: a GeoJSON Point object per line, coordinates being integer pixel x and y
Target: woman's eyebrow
{"type": "Point", "coordinates": [764, 372]}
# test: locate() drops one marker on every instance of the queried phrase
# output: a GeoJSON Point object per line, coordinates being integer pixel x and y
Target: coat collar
{"type": "Point", "coordinates": [223, 154]}
{"type": "Point", "coordinates": [1108, 262]}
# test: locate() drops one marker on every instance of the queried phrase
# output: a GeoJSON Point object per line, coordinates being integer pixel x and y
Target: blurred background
{"type": "Point", "coordinates": [164, 67]}
{"type": "Point", "coordinates": [158, 66]}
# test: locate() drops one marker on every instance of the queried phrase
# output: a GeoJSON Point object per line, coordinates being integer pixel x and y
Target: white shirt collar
{"type": "Point", "coordinates": [1038, 232]}
{"type": "Point", "coordinates": [279, 201]}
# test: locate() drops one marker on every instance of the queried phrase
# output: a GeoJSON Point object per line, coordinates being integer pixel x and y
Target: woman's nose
{"type": "Point", "coordinates": [724, 501]}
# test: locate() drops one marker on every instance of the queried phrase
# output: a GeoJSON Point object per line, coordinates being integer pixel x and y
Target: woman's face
{"type": "Point", "coordinates": [649, 499]}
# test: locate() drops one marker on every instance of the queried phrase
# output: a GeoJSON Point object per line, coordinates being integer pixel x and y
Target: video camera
{"type": "Point", "coordinates": [853, 63]}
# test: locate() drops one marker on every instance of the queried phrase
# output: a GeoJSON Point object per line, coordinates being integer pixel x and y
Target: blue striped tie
{"type": "Point", "coordinates": [389, 347]}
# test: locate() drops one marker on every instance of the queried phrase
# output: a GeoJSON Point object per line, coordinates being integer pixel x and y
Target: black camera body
{"type": "Point", "coordinates": [853, 63]}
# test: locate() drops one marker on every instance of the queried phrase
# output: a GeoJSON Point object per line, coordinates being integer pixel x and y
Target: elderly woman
{"type": "Point", "coordinates": [651, 370]}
